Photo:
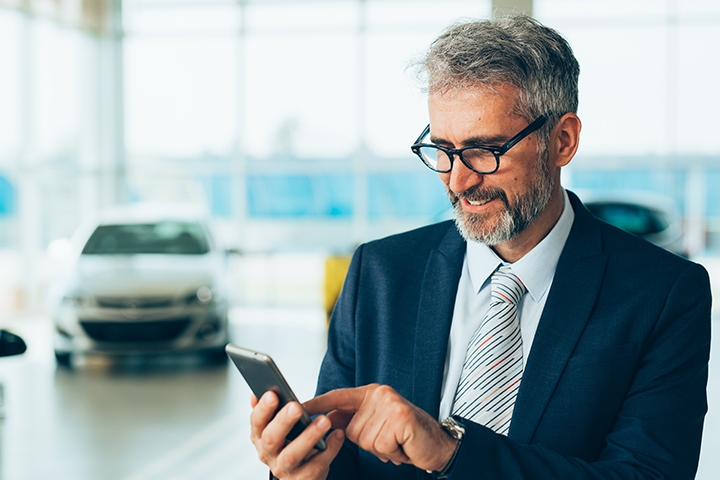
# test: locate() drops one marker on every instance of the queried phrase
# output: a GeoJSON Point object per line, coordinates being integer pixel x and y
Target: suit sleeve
{"type": "Point", "coordinates": [656, 433]}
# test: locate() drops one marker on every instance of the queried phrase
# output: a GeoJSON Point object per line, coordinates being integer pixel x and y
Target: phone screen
{"type": "Point", "coordinates": [261, 375]}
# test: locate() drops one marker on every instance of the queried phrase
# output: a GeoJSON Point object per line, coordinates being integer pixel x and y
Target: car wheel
{"type": "Point", "coordinates": [63, 359]}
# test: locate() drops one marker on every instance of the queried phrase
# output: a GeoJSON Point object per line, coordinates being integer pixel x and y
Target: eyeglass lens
{"type": "Point", "coordinates": [479, 159]}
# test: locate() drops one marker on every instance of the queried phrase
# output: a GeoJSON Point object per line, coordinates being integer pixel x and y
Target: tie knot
{"type": "Point", "coordinates": [506, 287]}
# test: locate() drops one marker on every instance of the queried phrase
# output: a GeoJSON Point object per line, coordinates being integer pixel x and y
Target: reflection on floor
{"type": "Point", "coordinates": [172, 418]}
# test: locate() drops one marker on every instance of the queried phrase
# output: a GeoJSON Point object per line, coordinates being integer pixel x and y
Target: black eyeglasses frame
{"type": "Point", "coordinates": [497, 151]}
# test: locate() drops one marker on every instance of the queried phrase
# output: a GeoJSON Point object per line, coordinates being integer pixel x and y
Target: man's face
{"type": "Point", "coordinates": [499, 207]}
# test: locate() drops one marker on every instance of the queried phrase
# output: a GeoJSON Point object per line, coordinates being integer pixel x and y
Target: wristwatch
{"type": "Point", "coordinates": [455, 428]}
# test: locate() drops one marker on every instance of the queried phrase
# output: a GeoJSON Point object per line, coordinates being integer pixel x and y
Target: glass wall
{"type": "Point", "coordinates": [304, 110]}
{"type": "Point", "coordinates": [49, 144]}
{"type": "Point", "coordinates": [291, 120]}
{"type": "Point", "coordinates": [648, 101]}
{"type": "Point", "coordinates": [285, 115]}
{"type": "Point", "coordinates": [10, 126]}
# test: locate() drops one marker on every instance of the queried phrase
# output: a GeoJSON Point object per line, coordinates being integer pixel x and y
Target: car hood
{"type": "Point", "coordinates": [144, 275]}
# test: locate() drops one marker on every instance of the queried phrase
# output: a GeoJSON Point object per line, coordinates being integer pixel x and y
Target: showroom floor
{"type": "Point", "coordinates": [145, 419]}
{"type": "Point", "coordinates": [171, 418]}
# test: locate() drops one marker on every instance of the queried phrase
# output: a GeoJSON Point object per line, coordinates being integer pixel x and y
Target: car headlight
{"type": "Point", "coordinates": [204, 294]}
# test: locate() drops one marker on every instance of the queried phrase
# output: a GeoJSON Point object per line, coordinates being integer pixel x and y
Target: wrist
{"type": "Point", "coordinates": [448, 455]}
{"type": "Point", "coordinates": [455, 430]}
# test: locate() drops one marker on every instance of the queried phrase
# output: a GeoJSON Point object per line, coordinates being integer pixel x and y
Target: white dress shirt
{"type": "Point", "coordinates": [536, 270]}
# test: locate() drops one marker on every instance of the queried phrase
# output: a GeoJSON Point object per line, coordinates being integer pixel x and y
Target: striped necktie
{"type": "Point", "coordinates": [494, 360]}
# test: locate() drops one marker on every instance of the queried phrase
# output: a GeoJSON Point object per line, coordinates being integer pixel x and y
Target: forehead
{"type": "Point", "coordinates": [467, 109]}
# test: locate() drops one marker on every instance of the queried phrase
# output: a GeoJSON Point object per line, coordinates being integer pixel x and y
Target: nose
{"type": "Point", "coordinates": [460, 178]}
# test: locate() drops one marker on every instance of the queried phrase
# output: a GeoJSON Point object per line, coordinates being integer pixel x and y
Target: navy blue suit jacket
{"type": "Point", "coordinates": [614, 386]}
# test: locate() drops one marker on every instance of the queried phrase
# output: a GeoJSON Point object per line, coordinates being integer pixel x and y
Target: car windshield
{"type": "Point", "coordinates": [168, 237]}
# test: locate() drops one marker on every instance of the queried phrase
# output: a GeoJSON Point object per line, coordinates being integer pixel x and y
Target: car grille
{"type": "Point", "coordinates": [156, 331]}
{"type": "Point", "coordinates": [134, 302]}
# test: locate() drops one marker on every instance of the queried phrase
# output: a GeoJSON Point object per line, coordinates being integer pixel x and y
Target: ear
{"type": "Point", "coordinates": [564, 139]}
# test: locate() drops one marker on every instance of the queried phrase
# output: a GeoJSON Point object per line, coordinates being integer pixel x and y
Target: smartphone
{"type": "Point", "coordinates": [261, 374]}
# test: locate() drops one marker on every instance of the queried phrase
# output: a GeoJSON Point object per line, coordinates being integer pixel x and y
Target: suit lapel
{"type": "Point", "coordinates": [437, 302]}
{"type": "Point", "coordinates": [570, 301]}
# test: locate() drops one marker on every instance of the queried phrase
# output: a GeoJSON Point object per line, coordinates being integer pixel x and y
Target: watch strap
{"type": "Point", "coordinates": [445, 472]}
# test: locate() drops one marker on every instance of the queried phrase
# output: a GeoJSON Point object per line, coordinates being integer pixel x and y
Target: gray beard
{"type": "Point", "coordinates": [513, 220]}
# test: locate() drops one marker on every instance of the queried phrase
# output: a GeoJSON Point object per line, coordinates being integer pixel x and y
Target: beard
{"type": "Point", "coordinates": [515, 217]}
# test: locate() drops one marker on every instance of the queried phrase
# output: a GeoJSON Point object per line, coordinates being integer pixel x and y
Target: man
{"type": "Point", "coordinates": [550, 344]}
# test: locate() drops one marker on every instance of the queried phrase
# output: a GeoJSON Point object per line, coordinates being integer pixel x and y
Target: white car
{"type": "Point", "coordinates": [143, 280]}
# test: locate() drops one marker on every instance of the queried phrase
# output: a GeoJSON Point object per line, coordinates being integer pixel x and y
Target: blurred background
{"type": "Point", "coordinates": [287, 124]}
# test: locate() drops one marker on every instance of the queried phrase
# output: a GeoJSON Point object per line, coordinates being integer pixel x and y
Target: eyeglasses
{"type": "Point", "coordinates": [482, 159]}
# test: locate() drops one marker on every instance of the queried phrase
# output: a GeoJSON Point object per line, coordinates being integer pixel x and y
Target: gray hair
{"type": "Point", "coordinates": [516, 50]}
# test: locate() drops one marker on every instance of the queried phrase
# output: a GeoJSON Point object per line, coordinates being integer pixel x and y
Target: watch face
{"type": "Point", "coordinates": [453, 427]}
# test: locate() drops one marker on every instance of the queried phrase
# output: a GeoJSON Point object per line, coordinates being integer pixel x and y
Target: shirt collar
{"type": "Point", "coordinates": [536, 269]}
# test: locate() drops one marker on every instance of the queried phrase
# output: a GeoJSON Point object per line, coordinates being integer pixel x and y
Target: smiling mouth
{"type": "Point", "coordinates": [477, 198]}
{"type": "Point", "coordinates": [478, 203]}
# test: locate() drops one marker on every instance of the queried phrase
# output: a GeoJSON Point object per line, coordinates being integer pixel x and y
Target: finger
{"type": "Point", "coordinates": [340, 418]}
{"type": "Point", "coordinates": [262, 414]}
{"type": "Point", "coordinates": [334, 441]}
{"type": "Point", "coordinates": [321, 462]}
{"type": "Point", "coordinates": [398, 456]}
{"type": "Point", "coordinates": [342, 398]}
{"type": "Point", "coordinates": [365, 426]}
{"type": "Point", "coordinates": [375, 427]}
{"type": "Point", "coordinates": [260, 418]}
{"type": "Point", "coordinates": [370, 430]}
{"type": "Point", "coordinates": [384, 435]}
{"type": "Point", "coordinates": [275, 434]}
{"type": "Point", "coordinates": [253, 400]}
{"type": "Point", "coordinates": [368, 422]}
{"type": "Point", "coordinates": [303, 447]}
{"type": "Point", "coordinates": [318, 465]}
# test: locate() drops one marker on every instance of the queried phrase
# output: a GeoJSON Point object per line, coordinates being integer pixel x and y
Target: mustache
{"type": "Point", "coordinates": [476, 194]}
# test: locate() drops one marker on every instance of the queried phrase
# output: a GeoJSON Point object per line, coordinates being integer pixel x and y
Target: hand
{"type": "Point", "coordinates": [379, 420]}
{"type": "Point", "coordinates": [297, 459]}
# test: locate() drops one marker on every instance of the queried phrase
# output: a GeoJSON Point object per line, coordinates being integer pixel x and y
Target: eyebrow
{"type": "Point", "coordinates": [490, 141]}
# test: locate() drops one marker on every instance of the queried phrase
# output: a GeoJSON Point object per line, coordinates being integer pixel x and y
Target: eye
{"type": "Point", "coordinates": [478, 153]}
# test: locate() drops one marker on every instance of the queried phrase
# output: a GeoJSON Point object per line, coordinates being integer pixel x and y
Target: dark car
{"type": "Point", "coordinates": [648, 216]}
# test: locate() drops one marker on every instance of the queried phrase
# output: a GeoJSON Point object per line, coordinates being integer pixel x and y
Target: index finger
{"type": "Point", "coordinates": [341, 399]}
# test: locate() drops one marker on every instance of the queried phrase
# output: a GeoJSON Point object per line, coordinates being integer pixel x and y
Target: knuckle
{"type": "Point", "coordinates": [280, 467]}
{"type": "Point", "coordinates": [279, 472]}
{"type": "Point", "coordinates": [384, 392]}
{"type": "Point", "coordinates": [268, 440]}
{"type": "Point", "coordinates": [401, 413]}
{"type": "Point", "coordinates": [285, 463]}
{"type": "Point", "coordinates": [386, 446]}
{"type": "Point", "coordinates": [367, 441]}
{"type": "Point", "coordinates": [351, 433]}
{"type": "Point", "coordinates": [264, 457]}
{"type": "Point", "coordinates": [265, 437]}
{"type": "Point", "coordinates": [285, 459]}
